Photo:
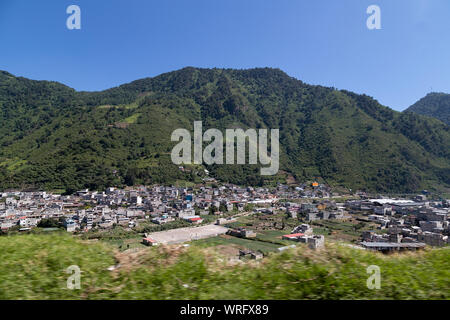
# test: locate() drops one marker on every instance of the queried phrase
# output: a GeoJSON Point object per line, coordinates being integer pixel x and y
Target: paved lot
{"type": "Point", "coordinates": [187, 234]}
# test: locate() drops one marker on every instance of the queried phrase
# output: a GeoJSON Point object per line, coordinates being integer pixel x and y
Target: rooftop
{"type": "Point", "coordinates": [392, 244]}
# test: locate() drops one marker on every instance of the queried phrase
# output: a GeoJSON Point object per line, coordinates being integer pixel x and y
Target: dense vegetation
{"type": "Point", "coordinates": [53, 137]}
{"type": "Point", "coordinates": [435, 104]}
{"type": "Point", "coordinates": [34, 267]}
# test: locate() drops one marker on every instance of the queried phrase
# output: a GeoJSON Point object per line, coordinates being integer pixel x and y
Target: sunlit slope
{"type": "Point", "coordinates": [435, 104]}
{"type": "Point", "coordinates": [53, 137]}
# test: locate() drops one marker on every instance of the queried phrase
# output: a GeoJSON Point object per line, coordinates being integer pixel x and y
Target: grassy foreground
{"type": "Point", "coordinates": [34, 267]}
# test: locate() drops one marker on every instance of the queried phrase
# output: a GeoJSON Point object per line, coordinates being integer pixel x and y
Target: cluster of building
{"type": "Point", "coordinates": [304, 234]}
{"type": "Point", "coordinates": [319, 210]}
{"type": "Point", "coordinates": [306, 190]}
{"type": "Point", "coordinates": [407, 222]}
{"type": "Point", "coordinates": [86, 209]}
{"type": "Point", "coordinates": [402, 224]}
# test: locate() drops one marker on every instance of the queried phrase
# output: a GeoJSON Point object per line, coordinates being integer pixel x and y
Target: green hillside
{"type": "Point", "coordinates": [34, 267]}
{"type": "Point", "coordinates": [435, 104]}
{"type": "Point", "coordinates": [56, 138]}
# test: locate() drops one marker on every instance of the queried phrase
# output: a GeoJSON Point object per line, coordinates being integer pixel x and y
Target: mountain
{"type": "Point", "coordinates": [436, 105]}
{"type": "Point", "coordinates": [54, 137]}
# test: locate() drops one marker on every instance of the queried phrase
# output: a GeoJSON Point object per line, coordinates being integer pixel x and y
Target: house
{"type": "Point", "coordinates": [433, 239]}
{"type": "Point", "coordinates": [431, 226]}
{"type": "Point", "coordinates": [162, 220]}
{"type": "Point", "coordinates": [195, 220]}
{"type": "Point", "coordinates": [70, 225]}
{"type": "Point", "coordinates": [420, 198]}
{"type": "Point", "coordinates": [324, 215]}
{"type": "Point", "coordinates": [308, 207]}
{"type": "Point", "coordinates": [123, 221]}
{"type": "Point", "coordinates": [315, 242]}
{"type": "Point", "coordinates": [311, 216]}
{"type": "Point", "coordinates": [292, 236]}
{"type": "Point", "coordinates": [250, 254]}
{"type": "Point", "coordinates": [225, 220]}
{"type": "Point", "coordinates": [303, 228]}
{"type": "Point", "coordinates": [292, 213]}
{"type": "Point", "coordinates": [186, 213]}
{"type": "Point", "coordinates": [382, 210]}
{"type": "Point", "coordinates": [374, 217]}
{"type": "Point", "coordinates": [6, 225]}
{"type": "Point", "coordinates": [149, 242]}
{"type": "Point", "coordinates": [395, 237]}
{"type": "Point", "coordinates": [241, 233]}
{"type": "Point", "coordinates": [25, 222]}
{"type": "Point", "coordinates": [105, 224]}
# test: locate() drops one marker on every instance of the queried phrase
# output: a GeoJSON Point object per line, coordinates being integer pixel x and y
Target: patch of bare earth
{"type": "Point", "coordinates": [135, 258]}
{"type": "Point", "coordinates": [121, 125]}
{"type": "Point", "coordinates": [228, 251]}
{"type": "Point", "coordinates": [290, 179]}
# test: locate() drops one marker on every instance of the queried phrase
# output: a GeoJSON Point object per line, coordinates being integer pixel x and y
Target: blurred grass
{"type": "Point", "coordinates": [33, 267]}
{"type": "Point", "coordinates": [251, 244]}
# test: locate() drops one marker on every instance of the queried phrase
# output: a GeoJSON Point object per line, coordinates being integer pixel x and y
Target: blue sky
{"type": "Point", "coordinates": [319, 42]}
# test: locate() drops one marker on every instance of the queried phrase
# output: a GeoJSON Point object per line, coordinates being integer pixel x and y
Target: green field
{"type": "Point", "coordinates": [132, 119]}
{"type": "Point", "coordinates": [255, 245]}
{"type": "Point", "coordinates": [340, 230]}
{"type": "Point", "coordinates": [34, 267]}
{"type": "Point", "coordinates": [271, 235]}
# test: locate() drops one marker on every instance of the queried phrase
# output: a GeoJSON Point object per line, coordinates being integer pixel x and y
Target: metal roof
{"type": "Point", "coordinates": [393, 244]}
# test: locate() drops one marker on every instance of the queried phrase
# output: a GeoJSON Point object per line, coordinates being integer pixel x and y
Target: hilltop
{"type": "Point", "coordinates": [53, 137]}
{"type": "Point", "coordinates": [435, 104]}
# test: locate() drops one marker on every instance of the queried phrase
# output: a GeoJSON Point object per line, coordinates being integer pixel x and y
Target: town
{"type": "Point", "coordinates": [254, 221]}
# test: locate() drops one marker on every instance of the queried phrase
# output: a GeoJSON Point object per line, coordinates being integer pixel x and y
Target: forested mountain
{"type": "Point", "coordinates": [53, 137]}
{"type": "Point", "coordinates": [436, 105]}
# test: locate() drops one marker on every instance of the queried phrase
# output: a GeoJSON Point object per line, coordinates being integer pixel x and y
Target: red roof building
{"type": "Point", "coordinates": [293, 235]}
{"type": "Point", "coordinates": [196, 220]}
{"type": "Point", "coordinates": [149, 242]}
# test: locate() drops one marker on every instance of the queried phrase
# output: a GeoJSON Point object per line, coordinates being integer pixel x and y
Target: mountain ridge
{"type": "Point", "coordinates": [434, 104]}
{"type": "Point", "coordinates": [53, 136]}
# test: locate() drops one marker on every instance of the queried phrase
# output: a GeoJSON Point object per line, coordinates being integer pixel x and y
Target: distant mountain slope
{"type": "Point", "coordinates": [436, 105]}
{"type": "Point", "coordinates": [55, 137]}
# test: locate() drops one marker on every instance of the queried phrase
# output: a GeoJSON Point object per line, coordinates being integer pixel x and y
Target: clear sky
{"type": "Point", "coordinates": [317, 41]}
